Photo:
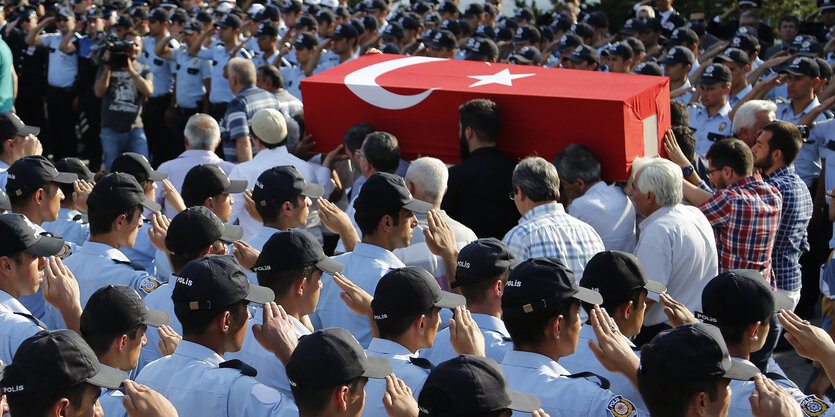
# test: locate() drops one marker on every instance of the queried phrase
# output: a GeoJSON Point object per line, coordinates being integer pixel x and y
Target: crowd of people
{"type": "Point", "coordinates": [169, 245]}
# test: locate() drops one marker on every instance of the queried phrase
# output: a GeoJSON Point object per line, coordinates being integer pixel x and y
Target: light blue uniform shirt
{"type": "Point", "coordinates": [162, 69]}
{"type": "Point", "coordinates": [195, 384]}
{"type": "Point", "coordinates": [742, 93]}
{"type": "Point", "coordinates": [808, 161]}
{"type": "Point", "coordinates": [741, 391]}
{"type": "Point", "coordinates": [562, 396]}
{"type": "Point", "coordinates": [96, 265]}
{"type": "Point", "coordinates": [4, 175]}
{"type": "Point", "coordinates": [191, 71]}
{"type": "Point", "coordinates": [496, 341]}
{"type": "Point", "coordinates": [293, 77]}
{"type": "Point", "coordinates": [143, 252]}
{"type": "Point", "coordinates": [111, 403]}
{"type": "Point", "coordinates": [14, 328]}
{"type": "Point", "coordinates": [160, 299]}
{"type": "Point", "coordinates": [69, 226]}
{"type": "Point", "coordinates": [62, 68]}
{"type": "Point", "coordinates": [364, 267]}
{"type": "Point", "coordinates": [704, 125]}
{"type": "Point", "coordinates": [583, 360]}
{"type": "Point", "coordinates": [686, 97]}
{"type": "Point", "coordinates": [220, 91]}
{"type": "Point", "coordinates": [258, 242]}
{"type": "Point", "coordinates": [414, 376]}
{"type": "Point", "coordinates": [271, 371]}
{"type": "Point", "coordinates": [823, 133]}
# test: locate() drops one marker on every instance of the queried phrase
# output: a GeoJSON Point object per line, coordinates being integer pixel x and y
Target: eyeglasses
{"type": "Point", "coordinates": [711, 171]}
{"type": "Point", "coordinates": [512, 195]}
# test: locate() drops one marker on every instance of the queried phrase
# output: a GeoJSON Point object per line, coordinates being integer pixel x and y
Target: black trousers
{"type": "Point", "coordinates": [61, 122]}
{"type": "Point", "coordinates": [90, 127]}
{"type": "Point", "coordinates": [158, 134]}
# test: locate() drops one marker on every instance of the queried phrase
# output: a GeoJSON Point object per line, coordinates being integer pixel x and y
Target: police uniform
{"type": "Point", "coordinates": [143, 252]}
{"type": "Point", "coordinates": [189, 89]}
{"type": "Point", "coordinates": [220, 93]}
{"type": "Point", "coordinates": [96, 265]}
{"type": "Point", "coordinates": [111, 403]}
{"type": "Point", "coordinates": [742, 93]}
{"type": "Point", "coordinates": [160, 144]}
{"type": "Point", "coordinates": [257, 242]}
{"type": "Point", "coordinates": [709, 129]}
{"type": "Point", "coordinates": [686, 97]}
{"type": "Point", "coordinates": [70, 225]}
{"type": "Point", "coordinates": [497, 340]}
{"type": "Point", "coordinates": [198, 382]}
{"type": "Point", "coordinates": [811, 405]}
{"type": "Point", "coordinates": [406, 365]}
{"type": "Point", "coordinates": [61, 72]}
{"type": "Point", "coordinates": [823, 135]}
{"type": "Point", "coordinates": [293, 77]}
{"type": "Point", "coordinates": [16, 325]}
{"type": "Point", "coordinates": [808, 161]}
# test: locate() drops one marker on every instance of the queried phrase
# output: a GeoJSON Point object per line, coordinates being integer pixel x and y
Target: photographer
{"type": "Point", "coordinates": [122, 85]}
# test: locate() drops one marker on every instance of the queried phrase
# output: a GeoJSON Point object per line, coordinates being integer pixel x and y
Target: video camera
{"type": "Point", "coordinates": [118, 53]}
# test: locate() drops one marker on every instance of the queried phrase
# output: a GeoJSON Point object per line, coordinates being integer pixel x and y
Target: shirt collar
{"type": "Point", "coordinates": [11, 304]}
{"type": "Point", "coordinates": [814, 103]}
{"type": "Point", "coordinates": [488, 322]}
{"type": "Point", "coordinates": [190, 153]}
{"type": "Point", "coordinates": [532, 360]}
{"type": "Point", "coordinates": [388, 347]}
{"type": "Point", "coordinates": [4, 165]}
{"type": "Point", "coordinates": [301, 329]}
{"type": "Point", "coordinates": [655, 215]}
{"type": "Point", "coordinates": [548, 208]}
{"type": "Point", "coordinates": [780, 172]}
{"type": "Point", "coordinates": [103, 249]}
{"type": "Point", "coordinates": [198, 352]}
{"type": "Point", "coordinates": [278, 151]}
{"type": "Point", "coordinates": [243, 90]}
{"type": "Point", "coordinates": [747, 180]}
{"type": "Point", "coordinates": [376, 252]}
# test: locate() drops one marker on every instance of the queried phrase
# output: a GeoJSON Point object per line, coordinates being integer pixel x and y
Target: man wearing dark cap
{"type": "Point", "coordinates": [344, 46]}
{"type": "Point", "coordinates": [473, 14]}
{"type": "Point", "coordinates": [159, 135]}
{"type": "Point", "coordinates": [16, 141]}
{"type": "Point", "coordinates": [211, 297]}
{"type": "Point", "coordinates": [228, 30]}
{"type": "Point", "coordinates": [584, 58]}
{"type": "Point", "coordinates": [377, 9]}
{"type": "Point", "coordinates": [540, 307]}
{"type": "Point", "coordinates": [70, 223]}
{"type": "Point", "coordinates": [291, 10]}
{"type": "Point", "coordinates": [741, 305]}
{"type": "Point", "coordinates": [621, 281]}
{"type": "Point", "coordinates": [737, 61]}
{"type": "Point", "coordinates": [442, 45]}
{"type": "Point", "coordinates": [291, 264]}
{"type": "Point", "coordinates": [114, 210]}
{"type": "Point", "coordinates": [677, 65]}
{"type": "Point", "coordinates": [527, 35]}
{"type": "Point", "coordinates": [473, 386]}
{"type": "Point", "coordinates": [618, 57]}
{"type": "Point", "coordinates": [481, 275]}
{"type": "Point", "coordinates": [266, 36]}
{"type": "Point", "coordinates": [649, 68]}
{"type": "Point", "coordinates": [22, 258]}
{"type": "Point", "coordinates": [709, 120]}
{"type": "Point", "coordinates": [194, 232]}
{"type": "Point", "coordinates": [207, 185]}
{"type": "Point", "coordinates": [113, 324]}
{"type": "Point", "coordinates": [406, 312]}
{"type": "Point", "coordinates": [56, 373]}
{"type": "Point", "coordinates": [329, 372]}
{"type": "Point", "coordinates": [385, 215]}
{"type": "Point", "coordinates": [481, 49]}
{"type": "Point", "coordinates": [305, 46]}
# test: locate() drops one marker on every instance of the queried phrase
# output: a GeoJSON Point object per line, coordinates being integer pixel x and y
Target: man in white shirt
{"type": "Point", "coordinates": [270, 130]}
{"type": "Point", "coordinates": [676, 246]}
{"type": "Point", "coordinates": [604, 207]}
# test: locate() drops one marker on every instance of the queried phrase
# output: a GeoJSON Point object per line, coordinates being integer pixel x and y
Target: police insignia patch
{"type": "Point", "coordinates": [722, 126]}
{"type": "Point", "coordinates": [65, 251]}
{"type": "Point", "coordinates": [621, 407]}
{"type": "Point", "coordinates": [149, 285]}
{"type": "Point", "coordinates": [813, 406]}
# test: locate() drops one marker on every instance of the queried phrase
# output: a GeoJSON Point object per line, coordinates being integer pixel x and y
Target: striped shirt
{"type": "Point", "coordinates": [548, 231]}
{"type": "Point", "coordinates": [239, 113]}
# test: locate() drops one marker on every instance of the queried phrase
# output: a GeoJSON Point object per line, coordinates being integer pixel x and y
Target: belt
{"type": "Point", "coordinates": [65, 89]}
{"type": "Point", "coordinates": [166, 97]}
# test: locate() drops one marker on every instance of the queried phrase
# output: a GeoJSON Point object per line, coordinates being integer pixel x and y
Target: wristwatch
{"type": "Point", "coordinates": [687, 171]}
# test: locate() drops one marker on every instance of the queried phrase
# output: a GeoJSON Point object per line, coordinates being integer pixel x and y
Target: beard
{"type": "Point", "coordinates": [465, 147]}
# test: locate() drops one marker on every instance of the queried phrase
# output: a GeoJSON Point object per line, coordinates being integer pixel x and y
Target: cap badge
{"type": "Point", "coordinates": [515, 283]}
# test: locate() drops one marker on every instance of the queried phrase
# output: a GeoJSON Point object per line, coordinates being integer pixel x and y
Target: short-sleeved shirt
{"type": "Point", "coordinates": [70, 226]}
{"type": "Point", "coordinates": [496, 341]}
{"type": "Point", "coordinates": [739, 96]}
{"type": "Point", "coordinates": [159, 299]}
{"type": "Point", "coordinates": [807, 163]}
{"type": "Point", "coordinates": [560, 394]}
{"type": "Point", "coordinates": [196, 385]}
{"type": "Point", "coordinates": [823, 133]}
{"type": "Point", "coordinates": [686, 97]}
{"type": "Point", "coordinates": [62, 67]}
{"type": "Point", "coordinates": [293, 77]}
{"type": "Point", "coordinates": [400, 357]}
{"type": "Point", "coordinates": [741, 391]}
{"type": "Point", "coordinates": [235, 123]}
{"type": "Point", "coordinates": [709, 129]}
{"type": "Point", "coordinates": [191, 71]}
{"type": "Point", "coordinates": [612, 215]}
{"type": "Point", "coordinates": [121, 106]}
{"type": "Point", "coordinates": [15, 326]}
{"type": "Point", "coordinates": [97, 265]}
{"type": "Point", "coordinates": [220, 92]}
{"type": "Point", "coordinates": [364, 266]}
{"type": "Point", "coordinates": [162, 69]}
{"type": "Point", "coordinates": [746, 216]}
{"type": "Point", "coordinates": [547, 230]}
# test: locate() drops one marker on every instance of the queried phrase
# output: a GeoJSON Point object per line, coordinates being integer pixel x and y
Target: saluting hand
{"type": "Point", "coordinates": [769, 399]}
{"type": "Point", "coordinates": [277, 333]}
{"type": "Point", "coordinates": [168, 339]}
{"type": "Point", "coordinates": [398, 399]}
{"type": "Point", "coordinates": [464, 334]}
{"type": "Point", "coordinates": [141, 401]}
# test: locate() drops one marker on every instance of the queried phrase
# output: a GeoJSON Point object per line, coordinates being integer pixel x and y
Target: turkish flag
{"type": "Point", "coordinates": [618, 116]}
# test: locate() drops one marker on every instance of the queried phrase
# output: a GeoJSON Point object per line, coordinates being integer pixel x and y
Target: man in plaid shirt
{"type": "Point", "coordinates": [545, 229]}
{"type": "Point", "coordinates": [745, 211]}
{"type": "Point", "coordinates": [237, 146]}
{"type": "Point", "coordinates": [774, 151]}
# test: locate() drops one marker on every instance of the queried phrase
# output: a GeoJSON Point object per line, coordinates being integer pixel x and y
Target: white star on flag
{"type": "Point", "coordinates": [503, 77]}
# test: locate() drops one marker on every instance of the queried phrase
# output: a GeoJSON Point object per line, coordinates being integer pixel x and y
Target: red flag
{"type": "Point", "coordinates": [618, 116]}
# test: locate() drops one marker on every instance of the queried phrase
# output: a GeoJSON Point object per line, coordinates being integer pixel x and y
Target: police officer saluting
{"type": "Point", "coordinates": [709, 120]}
{"type": "Point", "coordinates": [159, 137]}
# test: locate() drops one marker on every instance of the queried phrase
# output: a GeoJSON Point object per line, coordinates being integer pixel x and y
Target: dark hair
{"type": "Point", "coordinates": [785, 137]}
{"type": "Point", "coordinates": [482, 116]}
{"type": "Point", "coordinates": [37, 404]}
{"type": "Point", "coordinates": [789, 18]}
{"type": "Point", "coordinates": [671, 400]}
{"type": "Point", "coordinates": [733, 333]}
{"type": "Point", "coordinates": [313, 402]}
{"type": "Point", "coordinates": [179, 259]}
{"type": "Point", "coordinates": [382, 151]}
{"type": "Point", "coordinates": [101, 342]}
{"type": "Point", "coordinates": [732, 153]}
{"type": "Point", "coordinates": [577, 161]}
{"type": "Point", "coordinates": [686, 141]}
{"type": "Point", "coordinates": [356, 134]}
{"type": "Point", "coordinates": [613, 301]}
{"type": "Point", "coordinates": [368, 220]}
{"type": "Point", "coordinates": [282, 280]}
{"type": "Point", "coordinates": [270, 212]}
{"type": "Point", "coordinates": [393, 327]}
{"type": "Point", "coordinates": [195, 322]}
{"type": "Point", "coordinates": [19, 201]}
{"type": "Point", "coordinates": [476, 293]}
{"type": "Point", "coordinates": [101, 221]}
{"type": "Point", "coordinates": [679, 115]}
{"type": "Point", "coordinates": [529, 329]}
{"type": "Point", "coordinates": [273, 74]}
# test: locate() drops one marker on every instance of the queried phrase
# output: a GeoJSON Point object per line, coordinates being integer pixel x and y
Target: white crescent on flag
{"type": "Point", "coordinates": [363, 83]}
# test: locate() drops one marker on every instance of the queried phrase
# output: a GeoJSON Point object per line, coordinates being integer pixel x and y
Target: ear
{"type": "Point", "coordinates": [420, 324]}
{"type": "Point", "coordinates": [698, 404]}
{"type": "Point", "coordinates": [60, 408]}
{"type": "Point", "coordinates": [751, 331]}
{"type": "Point", "coordinates": [411, 186]}
{"type": "Point", "coordinates": [498, 288]}
{"type": "Point", "coordinates": [520, 194]}
{"type": "Point", "coordinates": [626, 309]}
{"type": "Point", "coordinates": [777, 154]}
{"type": "Point", "coordinates": [386, 223]}
{"type": "Point", "coordinates": [209, 203]}
{"type": "Point", "coordinates": [120, 222]}
{"type": "Point", "coordinates": [225, 321]}
{"type": "Point", "coordinates": [298, 286]}
{"type": "Point", "coordinates": [468, 132]}
{"type": "Point", "coordinates": [121, 343]}
{"type": "Point", "coordinates": [343, 397]}
{"type": "Point", "coordinates": [39, 195]}
{"type": "Point", "coordinates": [555, 326]}
{"type": "Point", "coordinates": [287, 208]}
{"type": "Point", "coordinates": [6, 265]}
